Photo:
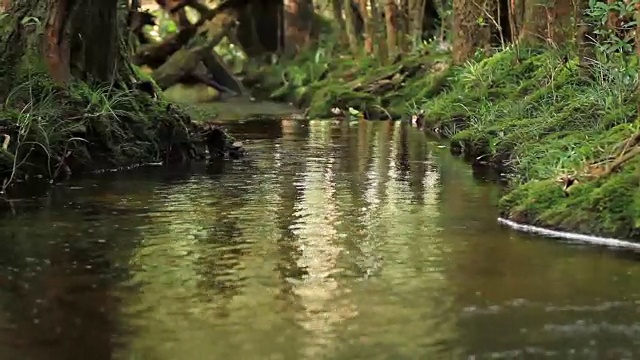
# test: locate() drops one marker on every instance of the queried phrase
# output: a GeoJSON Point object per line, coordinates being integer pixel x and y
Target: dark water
{"type": "Point", "coordinates": [330, 241]}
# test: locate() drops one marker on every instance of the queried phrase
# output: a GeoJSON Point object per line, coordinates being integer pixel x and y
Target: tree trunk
{"type": "Point", "coordinates": [50, 45]}
{"type": "Point", "coordinates": [368, 27]}
{"type": "Point", "coordinates": [352, 36]}
{"type": "Point", "coordinates": [391, 21]}
{"type": "Point", "coordinates": [336, 8]}
{"type": "Point", "coordinates": [560, 22]}
{"type": "Point", "coordinates": [469, 34]}
{"type": "Point", "coordinates": [547, 24]}
{"type": "Point", "coordinates": [70, 31]}
{"type": "Point", "coordinates": [636, 17]}
{"type": "Point", "coordinates": [534, 23]}
{"type": "Point", "coordinates": [416, 19]}
{"type": "Point", "coordinates": [585, 40]}
{"type": "Point", "coordinates": [403, 26]}
{"type": "Point", "coordinates": [377, 26]}
{"type": "Point", "coordinates": [298, 24]}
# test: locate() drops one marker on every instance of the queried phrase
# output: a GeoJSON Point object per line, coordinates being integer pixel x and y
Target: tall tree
{"type": "Point", "coordinates": [351, 19]}
{"type": "Point", "coordinates": [547, 21]}
{"type": "Point", "coordinates": [368, 27]}
{"type": "Point", "coordinates": [298, 24]}
{"type": "Point", "coordinates": [585, 39]}
{"type": "Point", "coordinates": [416, 19]}
{"type": "Point", "coordinates": [469, 33]}
{"type": "Point", "coordinates": [336, 8]}
{"type": "Point", "coordinates": [83, 39]}
{"type": "Point", "coordinates": [391, 21]}
{"type": "Point", "coordinates": [377, 26]}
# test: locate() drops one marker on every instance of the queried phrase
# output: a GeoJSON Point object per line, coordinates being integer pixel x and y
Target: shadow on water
{"type": "Point", "coordinates": [330, 240]}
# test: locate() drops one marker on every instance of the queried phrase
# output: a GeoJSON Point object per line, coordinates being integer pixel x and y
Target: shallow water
{"type": "Point", "coordinates": [330, 241]}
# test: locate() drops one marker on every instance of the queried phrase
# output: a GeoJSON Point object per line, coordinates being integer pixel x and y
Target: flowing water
{"type": "Point", "coordinates": [329, 241]}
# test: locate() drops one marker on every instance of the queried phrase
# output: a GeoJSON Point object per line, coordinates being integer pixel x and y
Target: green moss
{"type": "Point", "coordinates": [606, 207]}
{"type": "Point", "coordinates": [545, 119]}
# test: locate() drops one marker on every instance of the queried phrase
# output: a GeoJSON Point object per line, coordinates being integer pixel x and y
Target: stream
{"type": "Point", "coordinates": [328, 241]}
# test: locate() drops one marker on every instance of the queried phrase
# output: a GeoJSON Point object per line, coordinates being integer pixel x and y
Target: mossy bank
{"type": "Point", "coordinates": [536, 115]}
{"type": "Point", "coordinates": [51, 131]}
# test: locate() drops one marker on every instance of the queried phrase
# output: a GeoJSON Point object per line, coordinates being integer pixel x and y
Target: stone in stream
{"type": "Point", "coordinates": [219, 143]}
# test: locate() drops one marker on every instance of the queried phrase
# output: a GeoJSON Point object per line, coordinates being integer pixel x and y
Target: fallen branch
{"type": "Point", "coordinates": [185, 61]}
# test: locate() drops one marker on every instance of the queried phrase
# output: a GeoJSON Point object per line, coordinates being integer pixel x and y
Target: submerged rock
{"type": "Point", "coordinates": [191, 94]}
{"type": "Point", "coordinates": [236, 150]}
{"type": "Point", "coordinates": [219, 143]}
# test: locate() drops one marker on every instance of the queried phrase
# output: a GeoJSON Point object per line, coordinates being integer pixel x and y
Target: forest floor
{"type": "Point", "coordinates": [534, 115]}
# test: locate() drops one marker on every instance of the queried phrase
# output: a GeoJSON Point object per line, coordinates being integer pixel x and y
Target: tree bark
{"type": "Point", "coordinates": [469, 35]}
{"type": "Point", "coordinates": [377, 26]}
{"type": "Point", "coordinates": [352, 36]}
{"type": "Point", "coordinates": [416, 19]}
{"type": "Point", "coordinates": [585, 40]}
{"type": "Point", "coordinates": [368, 27]}
{"type": "Point", "coordinates": [545, 24]}
{"type": "Point", "coordinates": [67, 48]}
{"type": "Point", "coordinates": [336, 9]}
{"type": "Point", "coordinates": [298, 24]}
{"type": "Point", "coordinates": [391, 21]}
{"type": "Point", "coordinates": [49, 45]}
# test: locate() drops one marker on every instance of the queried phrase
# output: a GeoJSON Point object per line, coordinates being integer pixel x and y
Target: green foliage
{"type": "Point", "coordinates": [620, 38]}
{"type": "Point", "coordinates": [539, 117]}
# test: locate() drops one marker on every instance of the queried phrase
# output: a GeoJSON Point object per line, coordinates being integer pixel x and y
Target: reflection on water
{"type": "Point", "coordinates": [336, 241]}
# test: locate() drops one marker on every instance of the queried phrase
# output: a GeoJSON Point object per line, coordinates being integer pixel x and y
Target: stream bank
{"type": "Point", "coordinates": [533, 115]}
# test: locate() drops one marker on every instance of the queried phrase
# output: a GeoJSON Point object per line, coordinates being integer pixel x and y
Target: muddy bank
{"type": "Point", "coordinates": [538, 118]}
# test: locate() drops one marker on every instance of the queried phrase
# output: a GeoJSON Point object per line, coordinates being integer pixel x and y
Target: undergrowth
{"type": "Point", "coordinates": [542, 117]}
{"type": "Point", "coordinates": [48, 130]}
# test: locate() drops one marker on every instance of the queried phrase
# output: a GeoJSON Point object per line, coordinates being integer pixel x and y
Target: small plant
{"type": "Point", "coordinates": [615, 36]}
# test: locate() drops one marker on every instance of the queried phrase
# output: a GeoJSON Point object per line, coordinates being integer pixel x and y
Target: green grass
{"type": "Point", "coordinates": [53, 129]}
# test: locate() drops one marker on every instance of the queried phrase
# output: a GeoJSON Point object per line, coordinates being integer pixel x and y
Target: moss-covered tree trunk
{"type": "Point", "coordinates": [377, 25]}
{"type": "Point", "coordinates": [469, 33]}
{"type": "Point", "coordinates": [562, 22]}
{"type": "Point", "coordinates": [547, 21]}
{"type": "Point", "coordinates": [368, 27]}
{"type": "Point", "coordinates": [350, 18]}
{"type": "Point", "coordinates": [336, 9]}
{"type": "Point", "coordinates": [67, 47]}
{"type": "Point", "coordinates": [69, 61]}
{"type": "Point", "coordinates": [298, 24]}
{"type": "Point", "coordinates": [534, 23]}
{"type": "Point", "coordinates": [585, 39]}
{"type": "Point", "coordinates": [402, 24]}
{"type": "Point", "coordinates": [416, 19]}
{"type": "Point", "coordinates": [391, 21]}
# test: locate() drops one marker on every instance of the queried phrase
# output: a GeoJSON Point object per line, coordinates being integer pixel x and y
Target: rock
{"type": "Point", "coordinates": [191, 94]}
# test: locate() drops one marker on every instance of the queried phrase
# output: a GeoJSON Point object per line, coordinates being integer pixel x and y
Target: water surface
{"type": "Point", "coordinates": [329, 241]}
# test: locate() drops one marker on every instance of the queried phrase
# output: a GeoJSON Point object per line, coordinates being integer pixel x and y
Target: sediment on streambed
{"type": "Point", "coordinates": [534, 115]}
